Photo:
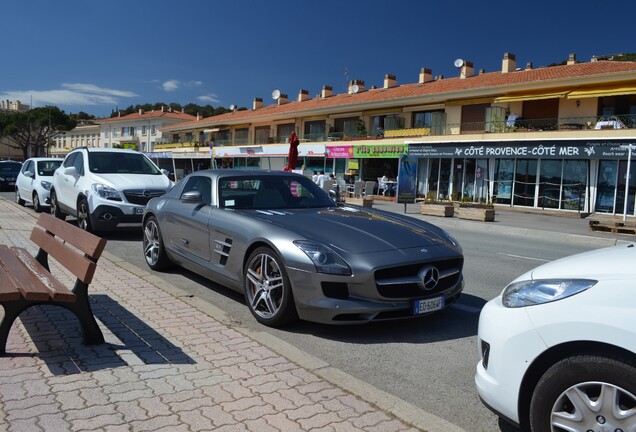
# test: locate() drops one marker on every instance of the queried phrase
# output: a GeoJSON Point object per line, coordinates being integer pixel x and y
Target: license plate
{"type": "Point", "coordinates": [428, 305]}
{"type": "Point", "coordinates": [11, 183]}
{"type": "Point", "coordinates": [138, 210]}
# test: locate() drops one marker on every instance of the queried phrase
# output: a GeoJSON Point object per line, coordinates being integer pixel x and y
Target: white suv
{"type": "Point", "coordinates": [104, 188]}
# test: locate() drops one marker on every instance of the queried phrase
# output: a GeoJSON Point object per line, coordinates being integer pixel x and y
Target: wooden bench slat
{"type": "Point", "coordinates": [57, 291]}
{"type": "Point", "coordinates": [88, 243]}
{"type": "Point", "coordinates": [30, 287]}
{"type": "Point", "coordinates": [8, 289]}
{"type": "Point", "coordinates": [79, 265]}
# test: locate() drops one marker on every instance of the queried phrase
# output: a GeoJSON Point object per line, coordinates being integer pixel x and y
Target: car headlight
{"type": "Point", "coordinates": [105, 191]}
{"type": "Point", "coordinates": [534, 292]}
{"type": "Point", "coordinates": [325, 259]}
{"type": "Point", "coordinates": [46, 185]}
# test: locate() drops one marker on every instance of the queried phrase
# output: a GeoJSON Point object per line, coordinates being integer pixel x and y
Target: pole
{"type": "Point", "coordinates": [629, 163]}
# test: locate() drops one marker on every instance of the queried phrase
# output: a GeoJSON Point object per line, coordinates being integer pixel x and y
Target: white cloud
{"type": "Point", "coordinates": [69, 94]}
{"type": "Point", "coordinates": [210, 98]}
{"type": "Point", "coordinates": [171, 85]}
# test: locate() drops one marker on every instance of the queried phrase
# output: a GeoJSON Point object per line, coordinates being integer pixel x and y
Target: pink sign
{"type": "Point", "coordinates": [339, 151]}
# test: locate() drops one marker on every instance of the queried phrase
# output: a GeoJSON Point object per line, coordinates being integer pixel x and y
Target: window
{"type": "Point", "coordinates": [348, 126]}
{"type": "Point", "coordinates": [153, 130]}
{"type": "Point", "coordinates": [241, 136]}
{"type": "Point", "coordinates": [200, 184]}
{"type": "Point", "coordinates": [261, 135]}
{"type": "Point", "coordinates": [143, 130]}
{"type": "Point", "coordinates": [283, 131]}
{"type": "Point", "coordinates": [474, 118]}
{"type": "Point", "coordinates": [381, 122]}
{"type": "Point", "coordinates": [315, 130]}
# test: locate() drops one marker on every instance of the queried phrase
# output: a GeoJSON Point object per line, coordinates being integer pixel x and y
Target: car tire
{"type": "Point", "coordinates": [55, 208]}
{"type": "Point", "coordinates": [37, 207]}
{"type": "Point", "coordinates": [582, 379]}
{"type": "Point", "coordinates": [84, 215]}
{"type": "Point", "coordinates": [154, 250]}
{"type": "Point", "coordinates": [18, 199]}
{"type": "Point", "coordinates": [267, 289]}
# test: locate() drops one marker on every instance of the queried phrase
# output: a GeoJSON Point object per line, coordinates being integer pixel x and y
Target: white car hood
{"type": "Point", "coordinates": [618, 262]}
{"type": "Point", "coordinates": [135, 181]}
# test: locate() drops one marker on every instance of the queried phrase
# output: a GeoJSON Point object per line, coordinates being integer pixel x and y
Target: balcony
{"type": "Point", "coordinates": [519, 125]}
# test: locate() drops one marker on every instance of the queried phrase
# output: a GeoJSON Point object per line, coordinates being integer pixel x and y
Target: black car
{"type": "Point", "coordinates": [8, 173]}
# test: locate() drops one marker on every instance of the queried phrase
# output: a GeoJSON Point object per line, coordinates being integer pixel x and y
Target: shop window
{"type": "Point", "coordinates": [524, 187]}
{"type": "Point", "coordinates": [504, 173]}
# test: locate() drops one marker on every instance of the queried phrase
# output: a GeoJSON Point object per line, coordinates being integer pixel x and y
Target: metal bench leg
{"type": "Point", "coordinates": [82, 309]}
{"type": "Point", "coordinates": [11, 311]}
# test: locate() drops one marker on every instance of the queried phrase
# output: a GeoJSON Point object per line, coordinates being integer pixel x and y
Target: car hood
{"type": "Point", "coordinates": [608, 263]}
{"type": "Point", "coordinates": [135, 181]}
{"type": "Point", "coordinates": [356, 231]}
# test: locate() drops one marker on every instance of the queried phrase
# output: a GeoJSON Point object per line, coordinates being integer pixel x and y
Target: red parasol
{"type": "Point", "coordinates": [292, 157]}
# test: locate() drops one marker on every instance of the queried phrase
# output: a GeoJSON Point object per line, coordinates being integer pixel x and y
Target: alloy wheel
{"type": "Point", "coordinates": [265, 285]}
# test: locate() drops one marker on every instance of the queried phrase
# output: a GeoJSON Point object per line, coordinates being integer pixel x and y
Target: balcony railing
{"type": "Point", "coordinates": [504, 126]}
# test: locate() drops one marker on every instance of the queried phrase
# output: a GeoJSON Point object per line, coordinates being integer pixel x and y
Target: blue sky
{"type": "Point", "coordinates": [96, 56]}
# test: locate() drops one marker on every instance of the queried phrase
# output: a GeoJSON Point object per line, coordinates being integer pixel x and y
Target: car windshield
{"type": "Point", "coordinates": [271, 192]}
{"type": "Point", "coordinates": [120, 163]}
{"type": "Point", "coordinates": [10, 166]}
{"type": "Point", "coordinates": [46, 168]}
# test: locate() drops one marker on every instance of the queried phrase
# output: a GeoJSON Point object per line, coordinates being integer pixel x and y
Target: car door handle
{"type": "Point", "coordinates": [185, 242]}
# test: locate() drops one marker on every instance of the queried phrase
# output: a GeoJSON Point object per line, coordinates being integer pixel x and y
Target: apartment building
{"type": "Point", "coordinates": [543, 137]}
{"type": "Point", "coordinates": [141, 130]}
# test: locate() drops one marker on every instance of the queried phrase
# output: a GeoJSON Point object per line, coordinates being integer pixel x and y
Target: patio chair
{"type": "Point", "coordinates": [369, 188]}
{"type": "Point", "coordinates": [356, 190]}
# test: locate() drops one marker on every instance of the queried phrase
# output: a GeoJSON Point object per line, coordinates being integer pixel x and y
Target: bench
{"type": "Point", "coordinates": [27, 281]}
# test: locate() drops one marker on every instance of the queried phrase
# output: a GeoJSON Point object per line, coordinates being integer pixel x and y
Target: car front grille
{"type": "Point", "coordinates": [142, 196]}
{"type": "Point", "coordinates": [406, 282]}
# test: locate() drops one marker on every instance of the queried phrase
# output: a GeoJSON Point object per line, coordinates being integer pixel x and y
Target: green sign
{"type": "Point", "coordinates": [380, 150]}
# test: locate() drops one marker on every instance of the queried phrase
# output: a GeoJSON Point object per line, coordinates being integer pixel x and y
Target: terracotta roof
{"type": "Point", "coordinates": [446, 89]}
{"type": "Point", "coordinates": [149, 114]}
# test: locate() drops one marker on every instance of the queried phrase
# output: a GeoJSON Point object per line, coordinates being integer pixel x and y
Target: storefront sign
{"type": "Point", "coordinates": [579, 149]}
{"type": "Point", "coordinates": [343, 152]}
{"type": "Point", "coordinates": [380, 151]}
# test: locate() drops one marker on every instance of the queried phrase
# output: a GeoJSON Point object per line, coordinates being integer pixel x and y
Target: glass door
{"type": "Point", "coordinates": [525, 182]}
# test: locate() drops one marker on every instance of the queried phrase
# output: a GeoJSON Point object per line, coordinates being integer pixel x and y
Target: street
{"type": "Point", "coordinates": [428, 362]}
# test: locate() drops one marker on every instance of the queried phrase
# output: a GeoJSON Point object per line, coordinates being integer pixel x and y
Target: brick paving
{"type": "Point", "coordinates": [165, 366]}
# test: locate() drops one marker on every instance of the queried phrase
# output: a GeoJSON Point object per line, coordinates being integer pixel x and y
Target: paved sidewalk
{"type": "Point", "coordinates": [169, 365]}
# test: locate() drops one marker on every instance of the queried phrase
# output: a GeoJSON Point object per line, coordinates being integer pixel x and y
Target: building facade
{"type": "Point", "coordinates": [549, 137]}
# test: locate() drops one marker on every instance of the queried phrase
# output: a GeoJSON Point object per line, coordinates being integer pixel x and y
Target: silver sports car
{"type": "Point", "coordinates": [295, 253]}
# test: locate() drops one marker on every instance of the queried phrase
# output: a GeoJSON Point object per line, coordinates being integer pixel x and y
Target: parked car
{"type": "Point", "coordinates": [105, 188]}
{"type": "Point", "coordinates": [34, 182]}
{"type": "Point", "coordinates": [282, 241]}
{"type": "Point", "coordinates": [8, 173]}
{"type": "Point", "coordinates": [558, 346]}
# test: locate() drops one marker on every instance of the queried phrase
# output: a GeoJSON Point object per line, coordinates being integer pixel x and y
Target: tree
{"type": "Point", "coordinates": [31, 131]}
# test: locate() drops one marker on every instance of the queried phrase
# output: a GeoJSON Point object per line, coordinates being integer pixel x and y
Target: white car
{"type": "Point", "coordinates": [34, 182]}
{"type": "Point", "coordinates": [558, 346]}
{"type": "Point", "coordinates": [105, 188]}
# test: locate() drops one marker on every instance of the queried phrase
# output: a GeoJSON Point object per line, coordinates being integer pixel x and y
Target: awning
{"type": "Point", "coordinates": [601, 91]}
{"type": "Point", "coordinates": [529, 97]}
{"type": "Point", "coordinates": [469, 101]}
{"type": "Point", "coordinates": [211, 130]}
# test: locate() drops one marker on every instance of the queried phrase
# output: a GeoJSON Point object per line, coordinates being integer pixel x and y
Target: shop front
{"type": "Point", "coordinates": [576, 175]}
{"type": "Point", "coordinates": [269, 156]}
{"type": "Point", "coordinates": [365, 161]}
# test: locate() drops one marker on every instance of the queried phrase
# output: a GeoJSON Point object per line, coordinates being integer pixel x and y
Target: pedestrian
{"type": "Point", "coordinates": [314, 178]}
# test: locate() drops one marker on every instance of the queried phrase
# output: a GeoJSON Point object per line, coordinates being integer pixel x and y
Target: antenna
{"type": "Point", "coordinates": [459, 63]}
{"type": "Point", "coordinates": [275, 94]}
{"type": "Point", "coordinates": [232, 107]}
{"type": "Point", "coordinates": [355, 88]}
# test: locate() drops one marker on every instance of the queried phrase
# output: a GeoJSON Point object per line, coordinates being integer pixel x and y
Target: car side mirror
{"type": "Point", "coordinates": [192, 197]}
{"type": "Point", "coordinates": [72, 171]}
{"type": "Point", "coordinates": [165, 172]}
{"type": "Point", "coordinates": [29, 174]}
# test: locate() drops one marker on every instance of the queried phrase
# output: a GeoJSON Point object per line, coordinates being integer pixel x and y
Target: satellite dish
{"type": "Point", "coordinates": [232, 107]}
{"type": "Point", "coordinates": [459, 63]}
{"type": "Point", "coordinates": [275, 94]}
{"type": "Point", "coordinates": [355, 88]}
